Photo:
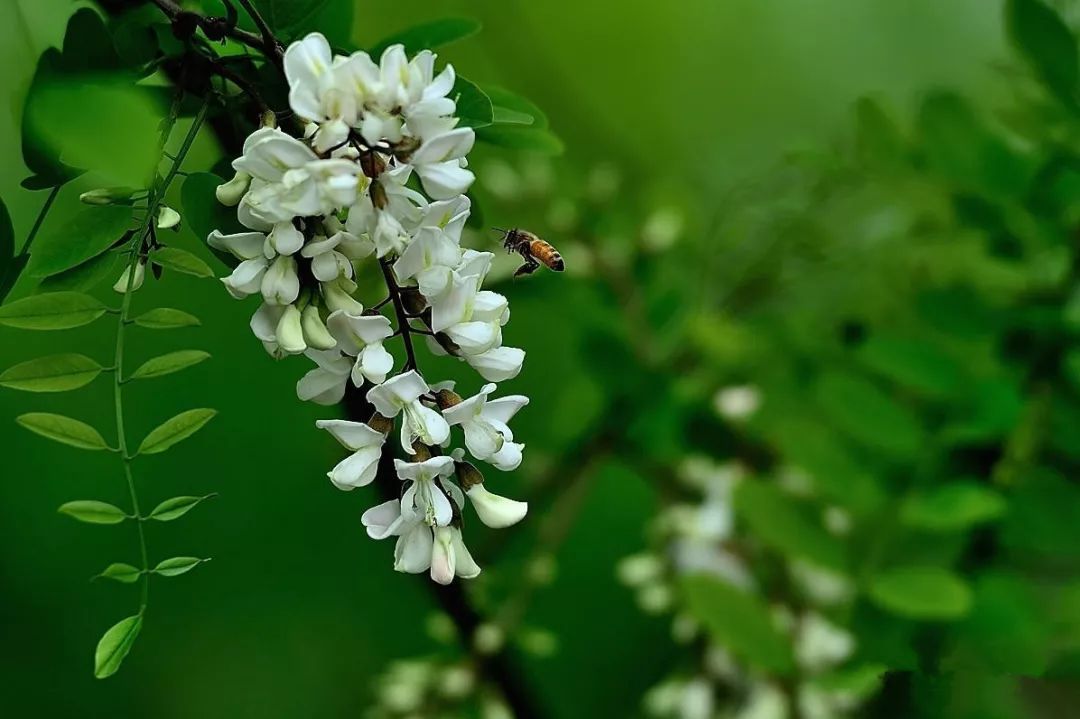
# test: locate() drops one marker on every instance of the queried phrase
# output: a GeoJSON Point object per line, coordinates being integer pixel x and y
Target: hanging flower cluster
{"type": "Point", "coordinates": [349, 190]}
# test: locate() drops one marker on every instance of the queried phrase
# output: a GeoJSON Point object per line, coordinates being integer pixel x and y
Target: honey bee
{"type": "Point", "coordinates": [534, 250]}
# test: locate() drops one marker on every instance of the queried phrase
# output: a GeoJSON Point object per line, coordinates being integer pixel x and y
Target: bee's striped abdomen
{"type": "Point", "coordinates": [547, 254]}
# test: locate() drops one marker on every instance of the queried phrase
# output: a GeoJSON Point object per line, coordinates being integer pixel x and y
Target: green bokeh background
{"type": "Point", "coordinates": [298, 610]}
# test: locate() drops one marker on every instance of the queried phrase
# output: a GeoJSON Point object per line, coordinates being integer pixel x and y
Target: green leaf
{"type": "Point", "coordinates": [122, 573]}
{"type": "Point", "coordinates": [777, 520]}
{"type": "Point", "coordinates": [85, 276]}
{"type": "Point", "coordinates": [952, 507]}
{"type": "Point", "coordinates": [204, 214]}
{"type": "Point", "coordinates": [165, 318]}
{"type": "Point", "coordinates": [429, 35]}
{"type": "Point", "coordinates": [177, 565]}
{"type": "Point", "coordinates": [63, 429]}
{"type": "Point", "coordinates": [510, 108]}
{"type": "Point", "coordinates": [927, 593]}
{"type": "Point", "coordinates": [286, 15]}
{"type": "Point", "coordinates": [879, 143]}
{"type": "Point", "coordinates": [473, 106]}
{"type": "Point", "coordinates": [169, 363]}
{"type": "Point", "coordinates": [739, 622]}
{"type": "Point", "coordinates": [516, 137]}
{"type": "Point", "coordinates": [918, 365]}
{"type": "Point", "coordinates": [52, 311]}
{"type": "Point", "coordinates": [87, 234]}
{"type": "Point", "coordinates": [114, 132]}
{"type": "Point", "coordinates": [7, 241]}
{"type": "Point", "coordinates": [42, 160]}
{"type": "Point", "coordinates": [55, 373]}
{"type": "Point", "coordinates": [868, 415]}
{"type": "Point", "coordinates": [173, 258]}
{"type": "Point", "coordinates": [92, 511]}
{"type": "Point", "coordinates": [176, 430]}
{"type": "Point", "coordinates": [176, 507]}
{"type": "Point", "coordinates": [115, 645]}
{"type": "Point", "coordinates": [1046, 42]}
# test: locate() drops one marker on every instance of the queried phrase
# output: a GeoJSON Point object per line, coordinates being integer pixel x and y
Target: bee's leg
{"type": "Point", "coordinates": [528, 268]}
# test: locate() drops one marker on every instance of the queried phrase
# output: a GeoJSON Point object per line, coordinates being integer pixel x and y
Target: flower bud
{"type": "Point", "coordinates": [121, 285]}
{"type": "Point", "coordinates": [168, 218]}
{"type": "Point", "coordinates": [380, 423]}
{"type": "Point", "coordinates": [468, 475]}
{"type": "Point", "coordinates": [230, 193]}
{"type": "Point", "coordinates": [281, 284]}
{"type": "Point", "coordinates": [447, 398]}
{"type": "Point", "coordinates": [496, 511]}
{"type": "Point", "coordinates": [315, 333]}
{"type": "Point", "coordinates": [443, 560]}
{"type": "Point", "coordinates": [338, 299]}
{"type": "Point", "coordinates": [107, 196]}
{"type": "Point", "coordinates": [290, 333]}
{"type": "Point", "coordinates": [413, 301]}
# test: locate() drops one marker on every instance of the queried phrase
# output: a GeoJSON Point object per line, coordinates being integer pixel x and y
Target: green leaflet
{"type": "Point", "coordinates": [121, 572]}
{"type": "Point", "coordinates": [115, 645]}
{"type": "Point", "coordinates": [54, 373]}
{"type": "Point", "coordinates": [52, 311]}
{"type": "Point", "coordinates": [165, 318]}
{"type": "Point", "coordinates": [63, 429]}
{"type": "Point", "coordinates": [92, 511]}
{"type": "Point", "coordinates": [173, 258]}
{"type": "Point", "coordinates": [85, 235]}
{"type": "Point", "coordinates": [176, 507]}
{"type": "Point", "coordinates": [175, 430]}
{"type": "Point", "coordinates": [176, 566]}
{"type": "Point", "coordinates": [926, 593]}
{"type": "Point", "coordinates": [169, 363]}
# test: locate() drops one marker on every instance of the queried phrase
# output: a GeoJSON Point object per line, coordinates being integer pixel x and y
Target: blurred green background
{"type": "Point", "coordinates": [687, 105]}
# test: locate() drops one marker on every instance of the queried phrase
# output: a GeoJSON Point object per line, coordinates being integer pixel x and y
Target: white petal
{"type": "Point", "coordinates": [482, 439]}
{"type": "Point", "coordinates": [496, 511]}
{"type": "Point", "coordinates": [356, 470]}
{"type": "Point", "coordinates": [498, 364]}
{"type": "Point", "coordinates": [321, 386]}
{"type": "Point", "coordinates": [504, 408]}
{"type": "Point", "coordinates": [509, 457]}
{"type": "Point", "coordinates": [242, 245]}
{"type": "Point", "coordinates": [443, 564]}
{"type": "Point", "coordinates": [376, 362]}
{"type": "Point", "coordinates": [466, 566]}
{"type": "Point", "coordinates": [413, 551]}
{"type": "Point", "coordinates": [383, 520]}
{"type": "Point", "coordinates": [352, 435]}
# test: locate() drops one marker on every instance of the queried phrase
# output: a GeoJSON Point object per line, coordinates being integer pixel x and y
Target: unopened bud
{"type": "Point", "coordinates": [468, 475]}
{"type": "Point", "coordinates": [230, 193]}
{"type": "Point", "coordinates": [338, 299]}
{"type": "Point", "coordinates": [168, 218]}
{"type": "Point", "coordinates": [380, 423]}
{"type": "Point", "coordinates": [412, 300]}
{"type": "Point", "coordinates": [495, 511]}
{"type": "Point", "coordinates": [121, 285]}
{"type": "Point", "coordinates": [107, 196]}
{"type": "Point", "coordinates": [315, 333]}
{"type": "Point", "coordinates": [447, 398]}
{"type": "Point", "coordinates": [378, 195]}
{"type": "Point", "coordinates": [290, 333]}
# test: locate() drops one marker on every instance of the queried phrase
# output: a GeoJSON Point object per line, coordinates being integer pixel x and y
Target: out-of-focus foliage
{"type": "Point", "coordinates": [869, 352]}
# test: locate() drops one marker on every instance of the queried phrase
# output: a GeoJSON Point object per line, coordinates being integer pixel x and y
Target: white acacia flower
{"type": "Point", "coordinates": [337, 295]}
{"type": "Point", "coordinates": [435, 250]}
{"type": "Point", "coordinates": [290, 331]}
{"type": "Point", "coordinates": [365, 443]}
{"type": "Point", "coordinates": [485, 423]}
{"type": "Point", "coordinates": [494, 510]}
{"type": "Point", "coordinates": [362, 337]}
{"type": "Point", "coordinates": [264, 326]}
{"type": "Point", "coordinates": [246, 278]}
{"type": "Point", "coordinates": [327, 264]}
{"type": "Point", "coordinates": [326, 383]}
{"type": "Point", "coordinates": [401, 395]}
{"type": "Point", "coordinates": [440, 163]}
{"type": "Point", "coordinates": [280, 284]}
{"type": "Point", "coordinates": [498, 364]}
{"type": "Point", "coordinates": [318, 90]}
{"type": "Point", "coordinates": [450, 558]}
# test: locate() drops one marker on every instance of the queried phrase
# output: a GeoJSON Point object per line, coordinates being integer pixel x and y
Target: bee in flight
{"type": "Point", "coordinates": [535, 251]}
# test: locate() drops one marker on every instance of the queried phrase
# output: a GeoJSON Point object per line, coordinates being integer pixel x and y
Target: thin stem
{"type": "Point", "coordinates": [40, 220]}
{"type": "Point", "coordinates": [402, 318]}
{"type": "Point", "coordinates": [137, 254]}
{"type": "Point", "coordinates": [242, 36]}
{"type": "Point", "coordinates": [270, 44]}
